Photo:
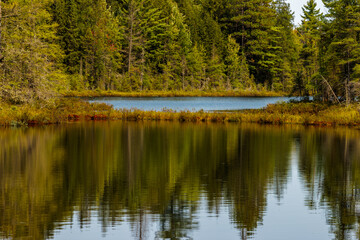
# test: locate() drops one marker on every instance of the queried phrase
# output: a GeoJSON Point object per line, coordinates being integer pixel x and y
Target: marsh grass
{"type": "Point", "coordinates": [66, 110]}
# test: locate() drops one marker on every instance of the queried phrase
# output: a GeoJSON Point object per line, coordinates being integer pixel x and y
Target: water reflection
{"type": "Point", "coordinates": [330, 167]}
{"type": "Point", "coordinates": [163, 180]}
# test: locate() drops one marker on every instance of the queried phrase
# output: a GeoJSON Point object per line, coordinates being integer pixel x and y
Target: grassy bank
{"type": "Point", "coordinates": [103, 93]}
{"type": "Point", "coordinates": [70, 109]}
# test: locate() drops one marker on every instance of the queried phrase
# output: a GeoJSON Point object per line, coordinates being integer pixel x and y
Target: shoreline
{"type": "Point", "coordinates": [67, 110]}
{"type": "Point", "coordinates": [103, 93]}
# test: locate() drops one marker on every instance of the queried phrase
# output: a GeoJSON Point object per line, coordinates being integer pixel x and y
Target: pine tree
{"type": "Point", "coordinates": [153, 48]}
{"type": "Point", "coordinates": [253, 34]}
{"type": "Point", "coordinates": [215, 72]}
{"type": "Point", "coordinates": [284, 47]}
{"type": "Point", "coordinates": [177, 45]}
{"type": "Point", "coordinates": [197, 67]}
{"type": "Point", "coordinates": [204, 28]}
{"type": "Point", "coordinates": [237, 71]}
{"type": "Point", "coordinates": [65, 14]}
{"type": "Point", "coordinates": [131, 21]}
{"type": "Point", "coordinates": [343, 51]}
{"type": "Point", "coordinates": [101, 58]}
{"type": "Point", "coordinates": [145, 35]}
{"type": "Point", "coordinates": [309, 36]}
{"type": "Point", "coordinates": [90, 37]}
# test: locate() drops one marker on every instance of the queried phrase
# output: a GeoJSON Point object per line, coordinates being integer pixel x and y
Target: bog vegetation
{"type": "Point", "coordinates": [49, 47]}
{"type": "Point", "coordinates": [72, 109]}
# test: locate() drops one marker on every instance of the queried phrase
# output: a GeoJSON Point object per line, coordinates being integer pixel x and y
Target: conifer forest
{"type": "Point", "coordinates": [51, 46]}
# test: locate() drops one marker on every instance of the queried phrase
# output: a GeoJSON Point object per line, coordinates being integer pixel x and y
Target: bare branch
{"type": "Point", "coordinates": [330, 89]}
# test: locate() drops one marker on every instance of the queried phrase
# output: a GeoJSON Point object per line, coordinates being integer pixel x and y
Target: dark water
{"type": "Point", "coordinates": [191, 103]}
{"type": "Point", "coordinates": [179, 181]}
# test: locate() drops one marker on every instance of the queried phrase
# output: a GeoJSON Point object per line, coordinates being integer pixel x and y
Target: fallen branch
{"type": "Point", "coordinates": [330, 89]}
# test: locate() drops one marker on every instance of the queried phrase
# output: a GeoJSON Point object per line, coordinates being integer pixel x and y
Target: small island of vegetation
{"type": "Point", "coordinates": [54, 51]}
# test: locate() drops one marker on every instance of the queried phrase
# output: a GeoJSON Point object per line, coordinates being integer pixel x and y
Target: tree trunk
{"type": "Point", "coordinates": [183, 72]}
{"type": "Point", "coordinates": [142, 68]}
{"type": "Point", "coordinates": [347, 92]}
{"type": "Point", "coordinates": [326, 83]}
{"type": "Point", "coordinates": [131, 33]}
{"type": "Point", "coordinates": [243, 29]}
{"type": "Point", "coordinates": [81, 67]}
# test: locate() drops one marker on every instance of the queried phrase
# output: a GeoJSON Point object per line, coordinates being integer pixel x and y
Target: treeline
{"type": "Point", "coordinates": [330, 51]}
{"type": "Point", "coordinates": [49, 46]}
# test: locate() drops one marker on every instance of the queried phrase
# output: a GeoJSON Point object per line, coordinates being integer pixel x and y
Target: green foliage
{"type": "Point", "coordinates": [30, 56]}
{"type": "Point", "coordinates": [49, 46]}
{"type": "Point", "coordinates": [330, 51]}
{"type": "Point", "coordinates": [309, 34]}
{"type": "Point", "coordinates": [284, 48]}
{"type": "Point", "coordinates": [90, 37]}
{"type": "Point", "coordinates": [196, 60]}
{"type": "Point", "coordinates": [253, 33]}
{"type": "Point", "coordinates": [237, 70]}
{"type": "Point", "coordinates": [343, 50]}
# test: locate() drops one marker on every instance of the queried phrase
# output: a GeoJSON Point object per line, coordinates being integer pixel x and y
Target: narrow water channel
{"type": "Point", "coordinates": [191, 103]}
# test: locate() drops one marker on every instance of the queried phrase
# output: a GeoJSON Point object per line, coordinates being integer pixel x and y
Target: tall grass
{"type": "Point", "coordinates": [72, 109]}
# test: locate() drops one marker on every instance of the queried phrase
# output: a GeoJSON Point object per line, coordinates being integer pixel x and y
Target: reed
{"type": "Point", "coordinates": [66, 110]}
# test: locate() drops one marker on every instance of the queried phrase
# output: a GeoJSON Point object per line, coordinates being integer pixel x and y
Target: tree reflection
{"type": "Point", "coordinates": [139, 173]}
{"type": "Point", "coordinates": [330, 164]}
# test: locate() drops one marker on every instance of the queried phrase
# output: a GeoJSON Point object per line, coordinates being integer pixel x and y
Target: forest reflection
{"type": "Point", "coordinates": [329, 163]}
{"type": "Point", "coordinates": [163, 172]}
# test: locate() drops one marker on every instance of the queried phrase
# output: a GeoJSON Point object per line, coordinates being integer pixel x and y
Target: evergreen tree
{"type": "Point", "coordinates": [342, 55]}
{"type": "Point", "coordinates": [131, 20]}
{"type": "Point", "coordinates": [309, 36]}
{"type": "Point", "coordinates": [102, 45]}
{"type": "Point", "coordinates": [215, 72]}
{"type": "Point", "coordinates": [197, 67]}
{"type": "Point", "coordinates": [146, 34]}
{"type": "Point", "coordinates": [177, 47]}
{"type": "Point", "coordinates": [204, 29]}
{"type": "Point", "coordinates": [90, 37]}
{"type": "Point", "coordinates": [284, 47]}
{"type": "Point", "coordinates": [253, 34]}
{"type": "Point", "coordinates": [237, 71]}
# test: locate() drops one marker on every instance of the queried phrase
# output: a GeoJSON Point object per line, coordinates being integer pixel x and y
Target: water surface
{"type": "Point", "coordinates": [117, 180]}
{"type": "Point", "coordinates": [190, 103]}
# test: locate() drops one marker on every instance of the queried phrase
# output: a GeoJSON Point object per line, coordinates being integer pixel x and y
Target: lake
{"type": "Point", "coordinates": [191, 103]}
{"type": "Point", "coordinates": [153, 180]}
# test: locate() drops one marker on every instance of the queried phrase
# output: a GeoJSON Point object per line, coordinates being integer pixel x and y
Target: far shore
{"type": "Point", "coordinates": [110, 93]}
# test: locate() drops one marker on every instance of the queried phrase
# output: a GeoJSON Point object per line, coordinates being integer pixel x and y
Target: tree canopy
{"type": "Point", "coordinates": [47, 46]}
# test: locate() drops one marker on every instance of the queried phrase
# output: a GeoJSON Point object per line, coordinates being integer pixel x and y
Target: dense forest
{"type": "Point", "coordinates": [51, 46]}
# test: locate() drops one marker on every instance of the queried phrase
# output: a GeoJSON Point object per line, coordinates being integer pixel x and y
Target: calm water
{"type": "Point", "coordinates": [191, 103]}
{"type": "Point", "coordinates": [179, 181]}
